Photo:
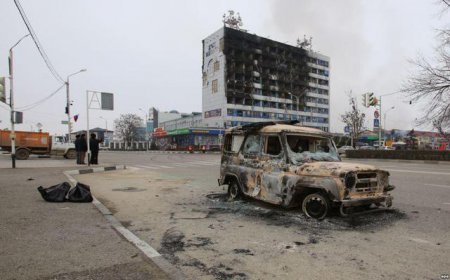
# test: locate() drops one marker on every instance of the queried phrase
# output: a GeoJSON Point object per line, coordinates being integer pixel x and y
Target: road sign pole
{"type": "Point", "coordinates": [380, 126]}
{"type": "Point", "coordinates": [87, 129]}
{"type": "Point", "coordinates": [11, 104]}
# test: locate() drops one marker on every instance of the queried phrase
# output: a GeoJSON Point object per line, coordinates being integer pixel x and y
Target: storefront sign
{"type": "Point", "coordinates": [213, 113]}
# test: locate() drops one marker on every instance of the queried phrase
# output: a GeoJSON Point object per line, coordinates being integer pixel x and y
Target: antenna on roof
{"type": "Point", "coordinates": [233, 20]}
{"type": "Point", "coordinates": [305, 43]}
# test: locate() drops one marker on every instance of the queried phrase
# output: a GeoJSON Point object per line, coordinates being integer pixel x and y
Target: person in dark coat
{"type": "Point", "coordinates": [83, 148]}
{"type": "Point", "coordinates": [94, 146]}
{"type": "Point", "coordinates": [77, 148]}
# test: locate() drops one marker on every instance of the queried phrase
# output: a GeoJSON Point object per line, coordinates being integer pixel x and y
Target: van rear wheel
{"type": "Point", "coordinates": [315, 206]}
{"type": "Point", "coordinates": [22, 154]}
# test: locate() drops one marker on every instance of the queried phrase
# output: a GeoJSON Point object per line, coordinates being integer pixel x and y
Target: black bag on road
{"type": "Point", "coordinates": [56, 193]}
{"type": "Point", "coordinates": [80, 193]}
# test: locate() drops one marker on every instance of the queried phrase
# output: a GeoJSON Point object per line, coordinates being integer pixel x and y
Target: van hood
{"type": "Point", "coordinates": [331, 168]}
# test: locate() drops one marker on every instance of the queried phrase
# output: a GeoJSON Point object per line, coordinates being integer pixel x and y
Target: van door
{"type": "Point", "coordinates": [249, 161]}
{"type": "Point", "coordinates": [273, 165]}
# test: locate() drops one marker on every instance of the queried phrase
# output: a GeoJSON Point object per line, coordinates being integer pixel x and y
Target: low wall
{"type": "Point", "coordinates": [407, 155]}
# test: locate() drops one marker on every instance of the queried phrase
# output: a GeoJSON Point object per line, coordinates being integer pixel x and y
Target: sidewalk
{"type": "Point", "coordinates": [42, 240]}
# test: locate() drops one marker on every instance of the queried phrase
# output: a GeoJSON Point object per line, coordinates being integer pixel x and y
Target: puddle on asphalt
{"type": "Point", "coordinates": [277, 216]}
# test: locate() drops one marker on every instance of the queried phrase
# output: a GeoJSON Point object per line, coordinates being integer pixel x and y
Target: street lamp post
{"type": "Point", "coordinates": [145, 122]}
{"type": "Point", "coordinates": [11, 101]}
{"type": "Point", "coordinates": [384, 122]}
{"type": "Point", "coordinates": [69, 124]}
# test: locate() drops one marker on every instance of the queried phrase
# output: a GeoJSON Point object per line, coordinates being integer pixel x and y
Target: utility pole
{"type": "Point", "coordinates": [11, 101]}
{"type": "Point", "coordinates": [11, 105]}
{"type": "Point", "coordinates": [146, 132]}
{"type": "Point", "coordinates": [380, 126]}
{"type": "Point", "coordinates": [69, 117]}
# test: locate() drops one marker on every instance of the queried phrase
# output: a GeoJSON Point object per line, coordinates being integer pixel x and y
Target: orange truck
{"type": "Point", "coordinates": [40, 143]}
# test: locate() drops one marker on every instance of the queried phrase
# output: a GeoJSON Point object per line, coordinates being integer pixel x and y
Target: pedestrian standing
{"type": "Point", "coordinates": [94, 146]}
{"type": "Point", "coordinates": [83, 148]}
{"type": "Point", "coordinates": [77, 148]}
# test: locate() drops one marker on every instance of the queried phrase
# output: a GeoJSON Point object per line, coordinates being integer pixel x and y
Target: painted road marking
{"type": "Point", "coordinates": [419, 240]}
{"type": "Point", "coordinates": [446, 203]}
{"type": "Point", "coordinates": [203, 162]}
{"type": "Point", "coordinates": [440, 186]}
{"type": "Point", "coordinates": [420, 172]}
{"type": "Point", "coordinates": [181, 164]}
{"type": "Point", "coordinates": [148, 167]}
{"type": "Point", "coordinates": [164, 166]}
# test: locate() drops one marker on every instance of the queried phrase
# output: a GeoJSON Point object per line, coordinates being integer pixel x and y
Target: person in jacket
{"type": "Point", "coordinates": [83, 148]}
{"type": "Point", "coordinates": [94, 146]}
{"type": "Point", "coordinates": [77, 148]}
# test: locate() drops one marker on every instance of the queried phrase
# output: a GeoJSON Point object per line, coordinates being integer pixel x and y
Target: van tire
{"type": "Point", "coordinates": [315, 205]}
{"type": "Point", "coordinates": [71, 154]}
{"type": "Point", "coordinates": [234, 191]}
{"type": "Point", "coordinates": [22, 154]}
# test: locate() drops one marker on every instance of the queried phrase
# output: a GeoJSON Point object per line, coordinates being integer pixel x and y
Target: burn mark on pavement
{"type": "Point", "coordinates": [128, 189]}
{"type": "Point", "coordinates": [243, 251]}
{"type": "Point", "coordinates": [220, 272]}
{"type": "Point", "coordinates": [276, 216]}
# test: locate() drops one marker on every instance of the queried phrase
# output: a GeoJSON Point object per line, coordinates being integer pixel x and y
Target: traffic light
{"type": "Point", "coordinates": [372, 100]}
{"type": "Point", "coordinates": [364, 102]}
{"type": "Point", "coordinates": [2, 90]}
{"type": "Point", "coordinates": [369, 99]}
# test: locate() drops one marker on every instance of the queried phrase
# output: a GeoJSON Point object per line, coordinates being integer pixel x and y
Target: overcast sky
{"type": "Point", "coordinates": [149, 52]}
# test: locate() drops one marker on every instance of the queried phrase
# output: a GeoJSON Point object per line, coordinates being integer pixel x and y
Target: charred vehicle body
{"type": "Point", "coordinates": [289, 165]}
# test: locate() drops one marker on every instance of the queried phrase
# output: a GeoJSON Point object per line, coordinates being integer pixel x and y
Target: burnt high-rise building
{"type": "Point", "coordinates": [247, 78]}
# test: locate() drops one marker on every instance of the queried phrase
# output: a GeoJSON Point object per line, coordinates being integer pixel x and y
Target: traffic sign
{"type": "Point", "coordinates": [376, 114]}
{"type": "Point", "coordinates": [376, 122]}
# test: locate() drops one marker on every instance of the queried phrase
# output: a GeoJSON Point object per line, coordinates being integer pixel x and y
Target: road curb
{"type": "Point", "coordinates": [149, 252]}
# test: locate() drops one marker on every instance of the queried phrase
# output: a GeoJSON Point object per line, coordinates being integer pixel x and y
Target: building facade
{"type": "Point", "coordinates": [247, 78]}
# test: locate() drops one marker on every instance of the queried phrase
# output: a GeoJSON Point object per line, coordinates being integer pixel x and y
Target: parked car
{"type": "Point", "coordinates": [342, 149]}
{"type": "Point", "coordinates": [388, 148]}
{"type": "Point", "coordinates": [367, 148]}
{"type": "Point", "coordinates": [291, 166]}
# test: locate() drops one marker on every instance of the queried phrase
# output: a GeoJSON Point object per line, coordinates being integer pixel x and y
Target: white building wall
{"type": "Point", "coordinates": [213, 102]}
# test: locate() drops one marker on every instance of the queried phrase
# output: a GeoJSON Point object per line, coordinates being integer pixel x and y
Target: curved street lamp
{"type": "Point", "coordinates": [11, 100]}
{"type": "Point", "coordinates": [69, 117]}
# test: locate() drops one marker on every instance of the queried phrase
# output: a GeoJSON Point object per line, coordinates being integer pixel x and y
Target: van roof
{"type": "Point", "coordinates": [276, 127]}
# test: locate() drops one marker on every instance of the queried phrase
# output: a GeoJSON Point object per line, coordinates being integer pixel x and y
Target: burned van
{"type": "Point", "coordinates": [290, 165]}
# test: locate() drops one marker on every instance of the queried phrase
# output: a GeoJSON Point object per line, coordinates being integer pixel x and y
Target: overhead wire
{"type": "Point", "coordinates": [32, 105]}
{"type": "Point", "coordinates": [37, 43]}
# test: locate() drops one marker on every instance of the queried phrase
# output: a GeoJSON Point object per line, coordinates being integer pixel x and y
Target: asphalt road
{"type": "Point", "coordinates": [173, 203]}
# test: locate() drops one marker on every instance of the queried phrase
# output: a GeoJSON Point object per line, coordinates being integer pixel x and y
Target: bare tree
{"type": "Point", "coordinates": [354, 119]}
{"type": "Point", "coordinates": [127, 126]}
{"type": "Point", "coordinates": [431, 83]}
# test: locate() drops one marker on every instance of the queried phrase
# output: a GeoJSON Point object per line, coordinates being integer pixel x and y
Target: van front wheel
{"type": "Point", "coordinates": [315, 206]}
{"type": "Point", "coordinates": [234, 191]}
